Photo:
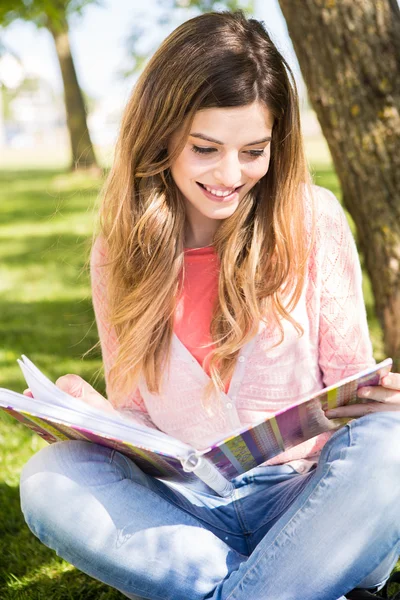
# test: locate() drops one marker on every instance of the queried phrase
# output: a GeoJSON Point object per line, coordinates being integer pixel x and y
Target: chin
{"type": "Point", "coordinates": [222, 213]}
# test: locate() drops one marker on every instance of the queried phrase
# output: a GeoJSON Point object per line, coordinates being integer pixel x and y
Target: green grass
{"type": "Point", "coordinates": [46, 221]}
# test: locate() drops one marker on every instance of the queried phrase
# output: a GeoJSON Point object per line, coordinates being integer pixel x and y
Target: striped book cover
{"type": "Point", "coordinates": [253, 446]}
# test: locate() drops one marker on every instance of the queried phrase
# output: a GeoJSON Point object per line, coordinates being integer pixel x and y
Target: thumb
{"type": "Point", "coordinates": [73, 385]}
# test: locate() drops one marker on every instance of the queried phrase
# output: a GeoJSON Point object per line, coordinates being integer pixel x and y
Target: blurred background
{"type": "Point", "coordinates": [66, 71]}
{"type": "Point", "coordinates": [109, 44]}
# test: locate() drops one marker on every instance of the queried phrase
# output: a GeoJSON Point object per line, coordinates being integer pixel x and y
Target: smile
{"type": "Point", "coordinates": [219, 195]}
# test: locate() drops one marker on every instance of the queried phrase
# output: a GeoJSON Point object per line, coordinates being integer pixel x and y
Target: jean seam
{"type": "Point", "coordinates": [241, 519]}
{"type": "Point", "coordinates": [351, 437]}
{"type": "Point", "coordinates": [208, 525]}
{"type": "Point", "coordinates": [160, 492]}
{"type": "Point", "coordinates": [330, 449]}
{"type": "Point", "coordinates": [231, 597]}
{"type": "Point", "coordinates": [241, 516]}
{"type": "Point", "coordinates": [241, 513]}
{"type": "Point", "coordinates": [127, 463]}
{"type": "Point", "coordinates": [283, 510]}
{"type": "Point", "coordinates": [313, 491]}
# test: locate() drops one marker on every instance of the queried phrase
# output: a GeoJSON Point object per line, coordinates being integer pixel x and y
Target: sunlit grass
{"type": "Point", "coordinates": [48, 157]}
{"type": "Point", "coordinates": [46, 221]}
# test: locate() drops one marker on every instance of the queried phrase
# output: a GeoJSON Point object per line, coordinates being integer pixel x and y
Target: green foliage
{"type": "Point", "coordinates": [210, 5]}
{"type": "Point", "coordinates": [41, 12]}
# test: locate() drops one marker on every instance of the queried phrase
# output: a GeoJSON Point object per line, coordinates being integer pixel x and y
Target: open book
{"type": "Point", "coordinates": [55, 416]}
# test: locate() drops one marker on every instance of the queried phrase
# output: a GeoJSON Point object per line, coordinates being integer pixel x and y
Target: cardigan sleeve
{"type": "Point", "coordinates": [344, 344]}
{"type": "Point", "coordinates": [107, 334]}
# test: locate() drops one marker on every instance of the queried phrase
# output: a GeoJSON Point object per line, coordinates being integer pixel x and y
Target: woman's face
{"type": "Point", "coordinates": [226, 154]}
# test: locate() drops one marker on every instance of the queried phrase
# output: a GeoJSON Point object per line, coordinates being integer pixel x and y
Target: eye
{"type": "Point", "coordinates": [203, 150]}
{"type": "Point", "coordinates": [256, 153]}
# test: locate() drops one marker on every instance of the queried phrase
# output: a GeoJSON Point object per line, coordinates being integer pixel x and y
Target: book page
{"type": "Point", "coordinates": [99, 424]}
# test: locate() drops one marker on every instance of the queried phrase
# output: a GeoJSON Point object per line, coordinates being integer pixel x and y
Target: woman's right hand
{"type": "Point", "coordinates": [75, 386]}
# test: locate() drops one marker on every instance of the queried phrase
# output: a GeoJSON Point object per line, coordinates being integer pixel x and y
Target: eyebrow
{"type": "Point", "coordinates": [210, 139]}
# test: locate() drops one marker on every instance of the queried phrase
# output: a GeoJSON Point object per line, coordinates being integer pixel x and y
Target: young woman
{"type": "Point", "coordinates": [225, 288]}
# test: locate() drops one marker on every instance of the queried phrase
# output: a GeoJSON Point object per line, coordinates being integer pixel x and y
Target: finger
{"type": "Point", "coordinates": [75, 385]}
{"type": "Point", "coordinates": [71, 384]}
{"type": "Point", "coordinates": [98, 401]}
{"type": "Point", "coordinates": [379, 394]}
{"type": "Point", "coordinates": [391, 381]}
{"type": "Point", "coordinates": [360, 410]}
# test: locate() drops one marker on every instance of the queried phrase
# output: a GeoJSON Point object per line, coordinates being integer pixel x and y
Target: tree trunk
{"type": "Point", "coordinates": [83, 155]}
{"type": "Point", "coordinates": [349, 54]}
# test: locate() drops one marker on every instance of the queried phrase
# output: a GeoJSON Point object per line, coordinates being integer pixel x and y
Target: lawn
{"type": "Point", "coordinates": [46, 221]}
{"type": "Point", "coordinates": [45, 311]}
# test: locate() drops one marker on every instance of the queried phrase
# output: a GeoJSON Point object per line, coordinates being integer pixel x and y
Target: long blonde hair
{"type": "Point", "coordinates": [213, 60]}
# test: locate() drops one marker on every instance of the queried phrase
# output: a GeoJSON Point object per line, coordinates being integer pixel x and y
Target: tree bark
{"type": "Point", "coordinates": [83, 155]}
{"type": "Point", "coordinates": [349, 54]}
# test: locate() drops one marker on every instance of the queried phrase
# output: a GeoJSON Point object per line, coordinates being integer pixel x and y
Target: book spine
{"type": "Point", "coordinates": [208, 473]}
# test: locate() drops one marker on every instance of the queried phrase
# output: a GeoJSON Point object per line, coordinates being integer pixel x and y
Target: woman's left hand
{"type": "Point", "coordinates": [386, 397]}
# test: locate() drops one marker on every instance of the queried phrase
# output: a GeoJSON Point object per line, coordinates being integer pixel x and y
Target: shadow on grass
{"type": "Point", "coordinates": [62, 328]}
{"type": "Point", "coordinates": [30, 570]}
{"type": "Point", "coordinates": [20, 550]}
{"type": "Point", "coordinates": [69, 249]}
{"type": "Point", "coordinates": [55, 334]}
{"type": "Point", "coordinates": [40, 196]}
{"type": "Point", "coordinates": [15, 175]}
{"type": "Point", "coordinates": [10, 176]}
{"type": "Point", "coordinates": [11, 520]}
{"type": "Point", "coordinates": [71, 585]}
{"type": "Point", "coordinates": [44, 199]}
{"type": "Point", "coordinates": [45, 208]}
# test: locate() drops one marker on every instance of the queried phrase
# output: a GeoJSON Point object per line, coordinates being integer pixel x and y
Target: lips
{"type": "Point", "coordinates": [234, 195]}
{"type": "Point", "coordinates": [220, 190]}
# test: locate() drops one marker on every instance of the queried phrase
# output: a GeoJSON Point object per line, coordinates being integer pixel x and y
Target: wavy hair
{"type": "Point", "coordinates": [218, 59]}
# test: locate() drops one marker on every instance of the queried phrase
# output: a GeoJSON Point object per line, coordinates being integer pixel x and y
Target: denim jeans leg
{"type": "Point", "coordinates": [101, 513]}
{"type": "Point", "coordinates": [377, 579]}
{"type": "Point", "coordinates": [340, 528]}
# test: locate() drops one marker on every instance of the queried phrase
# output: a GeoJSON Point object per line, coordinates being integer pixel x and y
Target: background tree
{"type": "Point", "coordinates": [54, 16]}
{"type": "Point", "coordinates": [349, 55]}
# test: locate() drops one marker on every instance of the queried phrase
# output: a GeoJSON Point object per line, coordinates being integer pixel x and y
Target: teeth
{"type": "Point", "coordinates": [218, 192]}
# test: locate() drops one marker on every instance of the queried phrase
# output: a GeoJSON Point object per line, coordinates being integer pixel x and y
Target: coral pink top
{"type": "Point", "coordinates": [195, 306]}
{"type": "Point", "coordinates": [268, 377]}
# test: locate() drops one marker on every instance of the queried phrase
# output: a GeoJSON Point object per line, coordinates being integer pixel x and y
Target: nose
{"type": "Point", "coordinates": [228, 172]}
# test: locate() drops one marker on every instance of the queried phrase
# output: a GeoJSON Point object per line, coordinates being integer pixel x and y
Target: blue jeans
{"type": "Point", "coordinates": [280, 536]}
